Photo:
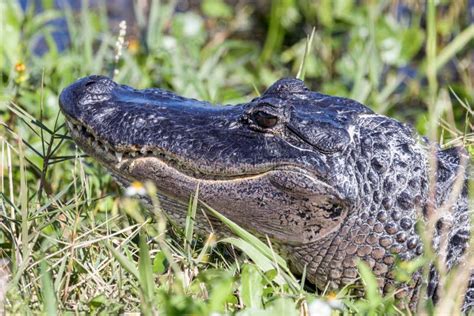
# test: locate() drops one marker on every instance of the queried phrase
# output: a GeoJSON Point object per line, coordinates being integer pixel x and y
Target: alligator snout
{"type": "Point", "coordinates": [85, 91]}
{"type": "Point", "coordinates": [97, 85]}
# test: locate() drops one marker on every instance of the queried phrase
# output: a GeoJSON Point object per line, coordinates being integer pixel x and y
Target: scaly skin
{"type": "Point", "coordinates": [328, 180]}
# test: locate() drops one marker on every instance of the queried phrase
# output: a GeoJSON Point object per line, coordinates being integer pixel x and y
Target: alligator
{"type": "Point", "coordinates": [326, 179]}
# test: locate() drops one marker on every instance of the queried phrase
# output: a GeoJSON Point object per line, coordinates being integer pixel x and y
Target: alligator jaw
{"type": "Point", "coordinates": [90, 143]}
{"type": "Point", "coordinates": [257, 194]}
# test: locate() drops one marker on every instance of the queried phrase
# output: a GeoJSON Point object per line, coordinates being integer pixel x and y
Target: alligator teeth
{"type": "Point", "coordinates": [133, 154]}
{"type": "Point", "coordinates": [119, 156]}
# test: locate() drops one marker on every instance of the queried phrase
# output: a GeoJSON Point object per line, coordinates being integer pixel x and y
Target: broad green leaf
{"type": "Point", "coordinates": [160, 263]}
{"type": "Point", "coordinates": [251, 288]}
{"type": "Point", "coordinates": [216, 8]}
{"type": "Point", "coordinates": [221, 293]}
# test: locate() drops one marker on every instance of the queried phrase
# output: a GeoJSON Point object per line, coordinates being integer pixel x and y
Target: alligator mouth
{"type": "Point", "coordinates": [86, 136]}
{"type": "Point", "coordinates": [98, 148]}
{"type": "Point", "coordinates": [124, 128]}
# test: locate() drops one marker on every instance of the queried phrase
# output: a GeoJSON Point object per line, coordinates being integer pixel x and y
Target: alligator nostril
{"type": "Point", "coordinates": [89, 83]}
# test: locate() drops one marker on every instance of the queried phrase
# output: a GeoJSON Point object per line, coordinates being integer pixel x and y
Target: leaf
{"type": "Point", "coordinates": [457, 44]}
{"type": "Point", "coordinates": [145, 269]}
{"type": "Point", "coordinates": [47, 290]}
{"type": "Point", "coordinates": [264, 263]}
{"type": "Point", "coordinates": [216, 9]}
{"type": "Point", "coordinates": [308, 46]}
{"type": "Point", "coordinates": [256, 249]}
{"type": "Point", "coordinates": [370, 282]}
{"type": "Point", "coordinates": [124, 261]}
{"type": "Point", "coordinates": [220, 295]}
{"type": "Point", "coordinates": [251, 287]}
{"type": "Point", "coordinates": [190, 219]}
{"type": "Point", "coordinates": [249, 238]}
{"type": "Point", "coordinates": [160, 264]}
{"type": "Point", "coordinates": [99, 300]}
{"type": "Point", "coordinates": [411, 43]}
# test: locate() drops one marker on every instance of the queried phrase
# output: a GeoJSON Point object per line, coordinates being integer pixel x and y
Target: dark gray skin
{"type": "Point", "coordinates": [325, 178]}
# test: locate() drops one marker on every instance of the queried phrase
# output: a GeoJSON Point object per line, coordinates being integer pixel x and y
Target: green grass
{"type": "Point", "coordinates": [78, 245]}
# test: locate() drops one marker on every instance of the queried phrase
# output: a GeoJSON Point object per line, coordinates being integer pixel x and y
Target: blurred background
{"type": "Point", "coordinates": [373, 51]}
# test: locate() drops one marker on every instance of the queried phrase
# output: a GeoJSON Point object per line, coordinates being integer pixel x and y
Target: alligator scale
{"type": "Point", "coordinates": [325, 178]}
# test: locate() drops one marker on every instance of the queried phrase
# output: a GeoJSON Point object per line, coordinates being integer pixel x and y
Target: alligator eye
{"type": "Point", "coordinates": [264, 119]}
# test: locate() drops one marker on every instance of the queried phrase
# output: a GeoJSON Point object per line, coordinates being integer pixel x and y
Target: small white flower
{"type": "Point", "coordinates": [135, 188]}
{"type": "Point", "coordinates": [319, 308]}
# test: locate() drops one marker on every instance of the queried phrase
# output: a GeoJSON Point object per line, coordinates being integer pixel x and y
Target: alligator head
{"type": "Point", "coordinates": [325, 178]}
{"type": "Point", "coordinates": [275, 157]}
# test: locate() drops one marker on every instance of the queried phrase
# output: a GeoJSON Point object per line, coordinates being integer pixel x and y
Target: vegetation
{"type": "Point", "coordinates": [75, 244]}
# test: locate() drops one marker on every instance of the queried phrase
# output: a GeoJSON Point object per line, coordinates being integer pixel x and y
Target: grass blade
{"type": "Point", "coordinates": [47, 291]}
{"type": "Point", "coordinates": [145, 271]}
{"type": "Point", "coordinates": [124, 261]}
{"type": "Point", "coordinates": [190, 218]}
{"type": "Point", "coordinates": [246, 236]}
{"type": "Point", "coordinates": [457, 44]}
{"type": "Point", "coordinates": [256, 249]}
{"type": "Point", "coordinates": [251, 287]}
{"type": "Point", "coordinates": [309, 44]}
